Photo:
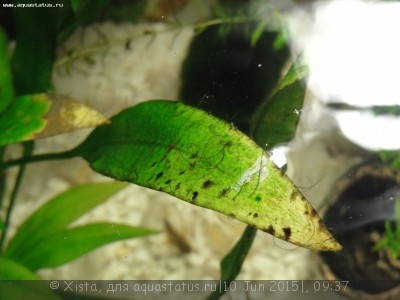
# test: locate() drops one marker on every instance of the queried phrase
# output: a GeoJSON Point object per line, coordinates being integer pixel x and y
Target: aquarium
{"type": "Point", "coordinates": [171, 141]}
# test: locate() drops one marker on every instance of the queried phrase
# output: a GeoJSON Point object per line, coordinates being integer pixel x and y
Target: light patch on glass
{"type": "Point", "coordinates": [352, 49]}
{"type": "Point", "coordinates": [370, 131]}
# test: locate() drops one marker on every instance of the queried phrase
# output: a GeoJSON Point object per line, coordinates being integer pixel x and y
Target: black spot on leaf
{"type": "Point", "coordinates": [288, 232]}
{"type": "Point", "coordinates": [207, 184]}
{"type": "Point", "coordinates": [255, 215]}
{"type": "Point", "coordinates": [159, 175]}
{"type": "Point", "coordinates": [270, 230]}
{"type": "Point", "coordinates": [194, 195]}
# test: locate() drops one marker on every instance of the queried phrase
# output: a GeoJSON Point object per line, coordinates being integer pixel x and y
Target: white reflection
{"type": "Point", "coordinates": [370, 131]}
{"type": "Point", "coordinates": [278, 156]}
{"type": "Point", "coordinates": [353, 51]}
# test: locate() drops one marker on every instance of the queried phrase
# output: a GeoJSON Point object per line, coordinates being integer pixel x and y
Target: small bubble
{"type": "Point", "coordinates": [259, 65]}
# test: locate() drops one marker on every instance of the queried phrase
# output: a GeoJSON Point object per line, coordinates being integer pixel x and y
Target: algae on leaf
{"type": "Point", "coordinates": [185, 152]}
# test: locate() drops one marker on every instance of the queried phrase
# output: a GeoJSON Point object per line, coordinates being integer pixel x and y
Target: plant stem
{"type": "Point", "coordinates": [2, 178]}
{"type": "Point", "coordinates": [232, 263]}
{"type": "Point", "coordinates": [37, 158]}
{"type": "Point", "coordinates": [28, 148]}
{"type": "Point", "coordinates": [75, 54]}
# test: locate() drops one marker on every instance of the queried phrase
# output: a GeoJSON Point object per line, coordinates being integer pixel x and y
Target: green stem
{"type": "Point", "coordinates": [37, 158]}
{"type": "Point", "coordinates": [233, 261]}
{"type": "Point", "coordinates": [28, 148]}
{"type": "Point", "coordinates": [2, 179]}
{"type": "Point", "coordinates": [233, 20]}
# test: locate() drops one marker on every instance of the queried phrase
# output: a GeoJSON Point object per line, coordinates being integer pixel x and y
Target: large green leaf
{"type": "Point", "coordinates": [198, 158]}
{"type": "Point", "coordinates": [18, 282]}
{"type": "Point", "coordinates": [276, 120]}
{"type": "Point", "coordinates": [6, 88]}
{"type": "Point", "coordinates": [226, 75]}
{"type": "Point", "coordinates": [68, 244]}
{"type": "Point", "coordinates": [232, 262]}
{"type": "Point", "coordinates": [57, 214]}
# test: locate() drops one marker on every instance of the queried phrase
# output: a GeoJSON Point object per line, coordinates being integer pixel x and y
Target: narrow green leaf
{"type": "Point", "coordinates": [280, 41]}
{"type": "Point", "coordinates": [2, 224]}
{"type": "Point", "coordinates": [183, 151]}
{"type": "Point", "coordinates": [257, 33]}
{"type": "Point", "coordinates": [276, 120]}
{"type": "Point", "coordinates": [66, 245]}
{"type": "Point", "coordinates": [18, 282]}
{"type": "Point", "coordinates": [75, 5]}
{"type": "Point", "coordinates": [297, 72]}
{"type": "Point", "coordinates": [6, 87]}
{"type": "Point", "coordinates": [11, 270]}
{"type": "Point", "coordinates": [233, 261]}
{"type": "Point", "coordinates": [386, 110]}
{"type": "Point", "coordinates": [57, 214]}
{"type": "Point", "coordinates": [390, 157]}
{"type": "Point", "coordinates": [32, 62]}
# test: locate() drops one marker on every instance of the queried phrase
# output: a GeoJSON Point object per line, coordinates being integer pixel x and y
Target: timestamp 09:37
{"type": "Point", "coordinates": [287, 286]}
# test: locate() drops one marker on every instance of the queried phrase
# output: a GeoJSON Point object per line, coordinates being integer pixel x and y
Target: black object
{"type": "Point", "coordinates": [227, 76]}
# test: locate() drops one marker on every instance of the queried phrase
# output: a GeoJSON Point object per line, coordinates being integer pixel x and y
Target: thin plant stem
{"type": "Point", "coordinates": [38, 158]}
{"type": "Point", "coordinates": [196, 27]}
{"type": "Point", "coordinates": [2, 179]}
{"type": "Point", "coordinates": [28, 148]}
{"type": "Point", "coordinates": [232, 263]}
